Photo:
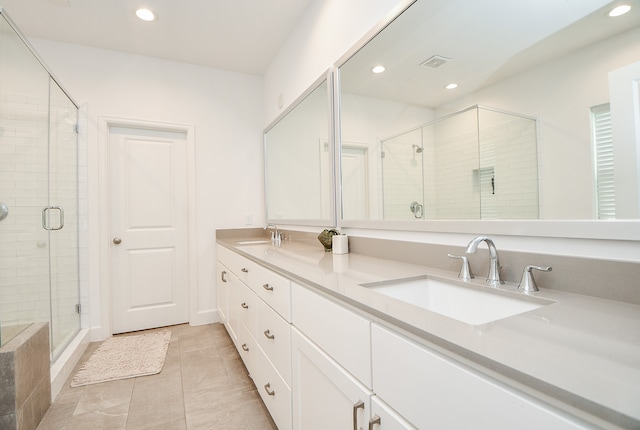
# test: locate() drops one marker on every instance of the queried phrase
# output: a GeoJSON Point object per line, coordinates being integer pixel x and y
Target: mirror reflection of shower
{"type": "Point", "coordinates": [472, 164]}
{"type": "Point", "coordinates": [402, 174]}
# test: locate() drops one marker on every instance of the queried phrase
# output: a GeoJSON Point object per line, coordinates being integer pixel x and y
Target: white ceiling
{"type": "Point", "coordinates": [486, 41]}
{"type": "Point", "coordinates": [237, 35]}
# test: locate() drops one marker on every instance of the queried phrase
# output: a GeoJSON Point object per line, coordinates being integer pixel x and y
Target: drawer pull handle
{"type": "Point", "coordinates": [244, 270]}
{"type": "Point", "coordinates": [358, 405]}
{"type": "Point", "coordinates": [373, 421]}
{"type": "Point", "coordinates": [222, 276]}
{"type": "Point", "coordinates": [245, 347]}
{"type": "Point", "coordinates": [267, 287]}
{"type": "Point", "coordinates": [268, 334]}
{"type": "Point", "coordinates": [244, 305]}
{"type": "Point", "coordinates": [268, 389]}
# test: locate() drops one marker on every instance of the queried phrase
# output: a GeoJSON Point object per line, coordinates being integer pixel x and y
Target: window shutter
{"type": "Point", "coordinates": [603, 147]}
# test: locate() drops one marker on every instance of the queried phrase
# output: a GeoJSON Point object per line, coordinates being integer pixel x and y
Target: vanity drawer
{"type": "Point", "coordinates": [246, 304]}
{"type": "Point", "coordinates": [247, 348]}
{"type": "Point", "coordinates": [274, 391]}
{"type": "Point", "coordinates": [431, 390]}
{"type": "Point", "coordinates": [274, 289]}
{"type": "Point", "coordinates": [344, 335]}
{"type": "Point", "coordinates": [239, 265]}
{"type": "Point", "coordinates": [273, 334]}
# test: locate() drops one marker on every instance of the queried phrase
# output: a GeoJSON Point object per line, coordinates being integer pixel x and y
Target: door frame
{"type": "Point", "coordinates": [104, 124]}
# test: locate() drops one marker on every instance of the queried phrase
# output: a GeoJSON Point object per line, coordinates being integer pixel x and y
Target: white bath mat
{"type": "Point", "coordinates": [125, 357]}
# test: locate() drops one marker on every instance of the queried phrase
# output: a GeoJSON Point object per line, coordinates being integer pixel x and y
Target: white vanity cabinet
{"type": "Point", "coordinates": [320, 364]}
{"type": "Point", "coordinates": [434, 391]}
{"type": "Point", "coordinates": [253, 301]}
{"type": "Point", "coordinates": [325, 396]}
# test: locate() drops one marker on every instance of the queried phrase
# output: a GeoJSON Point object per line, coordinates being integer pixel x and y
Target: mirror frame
{"type": "Point", "coordinates": [331, 221]}
{"type": "Point", "coordinates": [617, 229]}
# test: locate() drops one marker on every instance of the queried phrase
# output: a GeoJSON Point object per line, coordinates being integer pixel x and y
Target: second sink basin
{"type": "Point", "coordinates": [471, 304]}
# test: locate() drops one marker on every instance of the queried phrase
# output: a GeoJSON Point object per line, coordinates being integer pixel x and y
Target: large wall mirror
{"type": "Point", "coordinates": [299, 185]}
{"type": "Point", "coordinates": [492, 110]}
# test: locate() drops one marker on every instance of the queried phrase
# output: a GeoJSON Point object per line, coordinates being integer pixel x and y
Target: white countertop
{"type": "Point", "coordinates": [582, 350]}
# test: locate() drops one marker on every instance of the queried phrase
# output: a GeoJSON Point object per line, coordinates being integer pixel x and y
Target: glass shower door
{"type": "Point", "coordinates": [24, 245]}
{"type": "Point", "coordinates": [39, 278]}
{"type": "Point", "coordinates": [63, 218]}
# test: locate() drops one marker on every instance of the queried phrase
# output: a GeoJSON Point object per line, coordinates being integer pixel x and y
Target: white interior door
{"type": "Point", "coordinates": [355, 180]}
{"type": "Point", "coordinates": [148, 197]}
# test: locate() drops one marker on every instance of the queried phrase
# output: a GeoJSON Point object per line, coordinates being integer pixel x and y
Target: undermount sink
{"type": "Point", "coordinates": [252, 242]}
{"type": "Point", "coordinates": [471, 304]}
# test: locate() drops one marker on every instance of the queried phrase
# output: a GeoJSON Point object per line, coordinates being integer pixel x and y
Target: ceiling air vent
{"type": "Point", "coordinates": [435, 62]}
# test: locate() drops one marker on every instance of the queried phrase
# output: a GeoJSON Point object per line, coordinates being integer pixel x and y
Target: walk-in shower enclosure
{"type": "Point", "coordinates": [39, 276]}
{"type": "Point", "coordinates": [478, 163]}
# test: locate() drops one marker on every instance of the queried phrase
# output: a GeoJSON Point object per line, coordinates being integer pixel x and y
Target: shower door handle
{"type": "Point", "coordinates": [45, 222]}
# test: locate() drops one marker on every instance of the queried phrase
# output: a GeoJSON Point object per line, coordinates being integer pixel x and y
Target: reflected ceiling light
{"type": "Point", "coordinates": [378, 69]}
{"type": "Point", "coordinates": [146, 14]}
{"type": "Point", "coordinates": [451, 86]}
{"type": "Point", "coordinates": [619, 10]}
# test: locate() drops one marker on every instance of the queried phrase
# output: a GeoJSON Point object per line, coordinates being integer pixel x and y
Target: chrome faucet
{"type": "Point", "coordinates": [493, 277]}
{"type": "Point", "coordinates": [275, 235]}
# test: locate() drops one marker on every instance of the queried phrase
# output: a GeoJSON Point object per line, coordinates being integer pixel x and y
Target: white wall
{"type": "Point", "coordinates": [327, 31]}
{"type": "Point", "coordinates": [226, 111]}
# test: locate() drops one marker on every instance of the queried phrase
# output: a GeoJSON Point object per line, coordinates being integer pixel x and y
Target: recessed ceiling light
{"type": "Point", "coordinates": [146, 14]}
{"type": "Point", "coordinates": [378, 69]}
{"type": "Point", "coordinates": [451, 86]}
{"type": "Point", "coordinates": [619, 10]}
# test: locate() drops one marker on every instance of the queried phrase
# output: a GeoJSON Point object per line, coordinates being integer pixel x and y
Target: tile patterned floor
{"type": "Point", "coordinates": [203, 386]}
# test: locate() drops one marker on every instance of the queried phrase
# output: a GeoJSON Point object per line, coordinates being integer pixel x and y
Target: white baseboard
{"type": "Point", "coordinates": [205, 317]}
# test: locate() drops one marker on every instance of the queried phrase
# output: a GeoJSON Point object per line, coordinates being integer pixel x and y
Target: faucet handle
{"type": "Point", "coordinates": [528, 283]}
{"type": "Point", "coordinates": [465, 270]}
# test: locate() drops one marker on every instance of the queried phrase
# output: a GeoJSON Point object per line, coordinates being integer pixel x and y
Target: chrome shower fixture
{"type": "Point", "coordinates": [417, 148]}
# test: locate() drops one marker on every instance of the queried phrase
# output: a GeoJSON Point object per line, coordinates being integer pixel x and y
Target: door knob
{"type": "Point", "coordinates": [117, 240]}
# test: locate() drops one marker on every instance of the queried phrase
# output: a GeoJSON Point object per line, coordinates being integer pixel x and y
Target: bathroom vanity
{"type": "Point", "coordinates": [354, 341]}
